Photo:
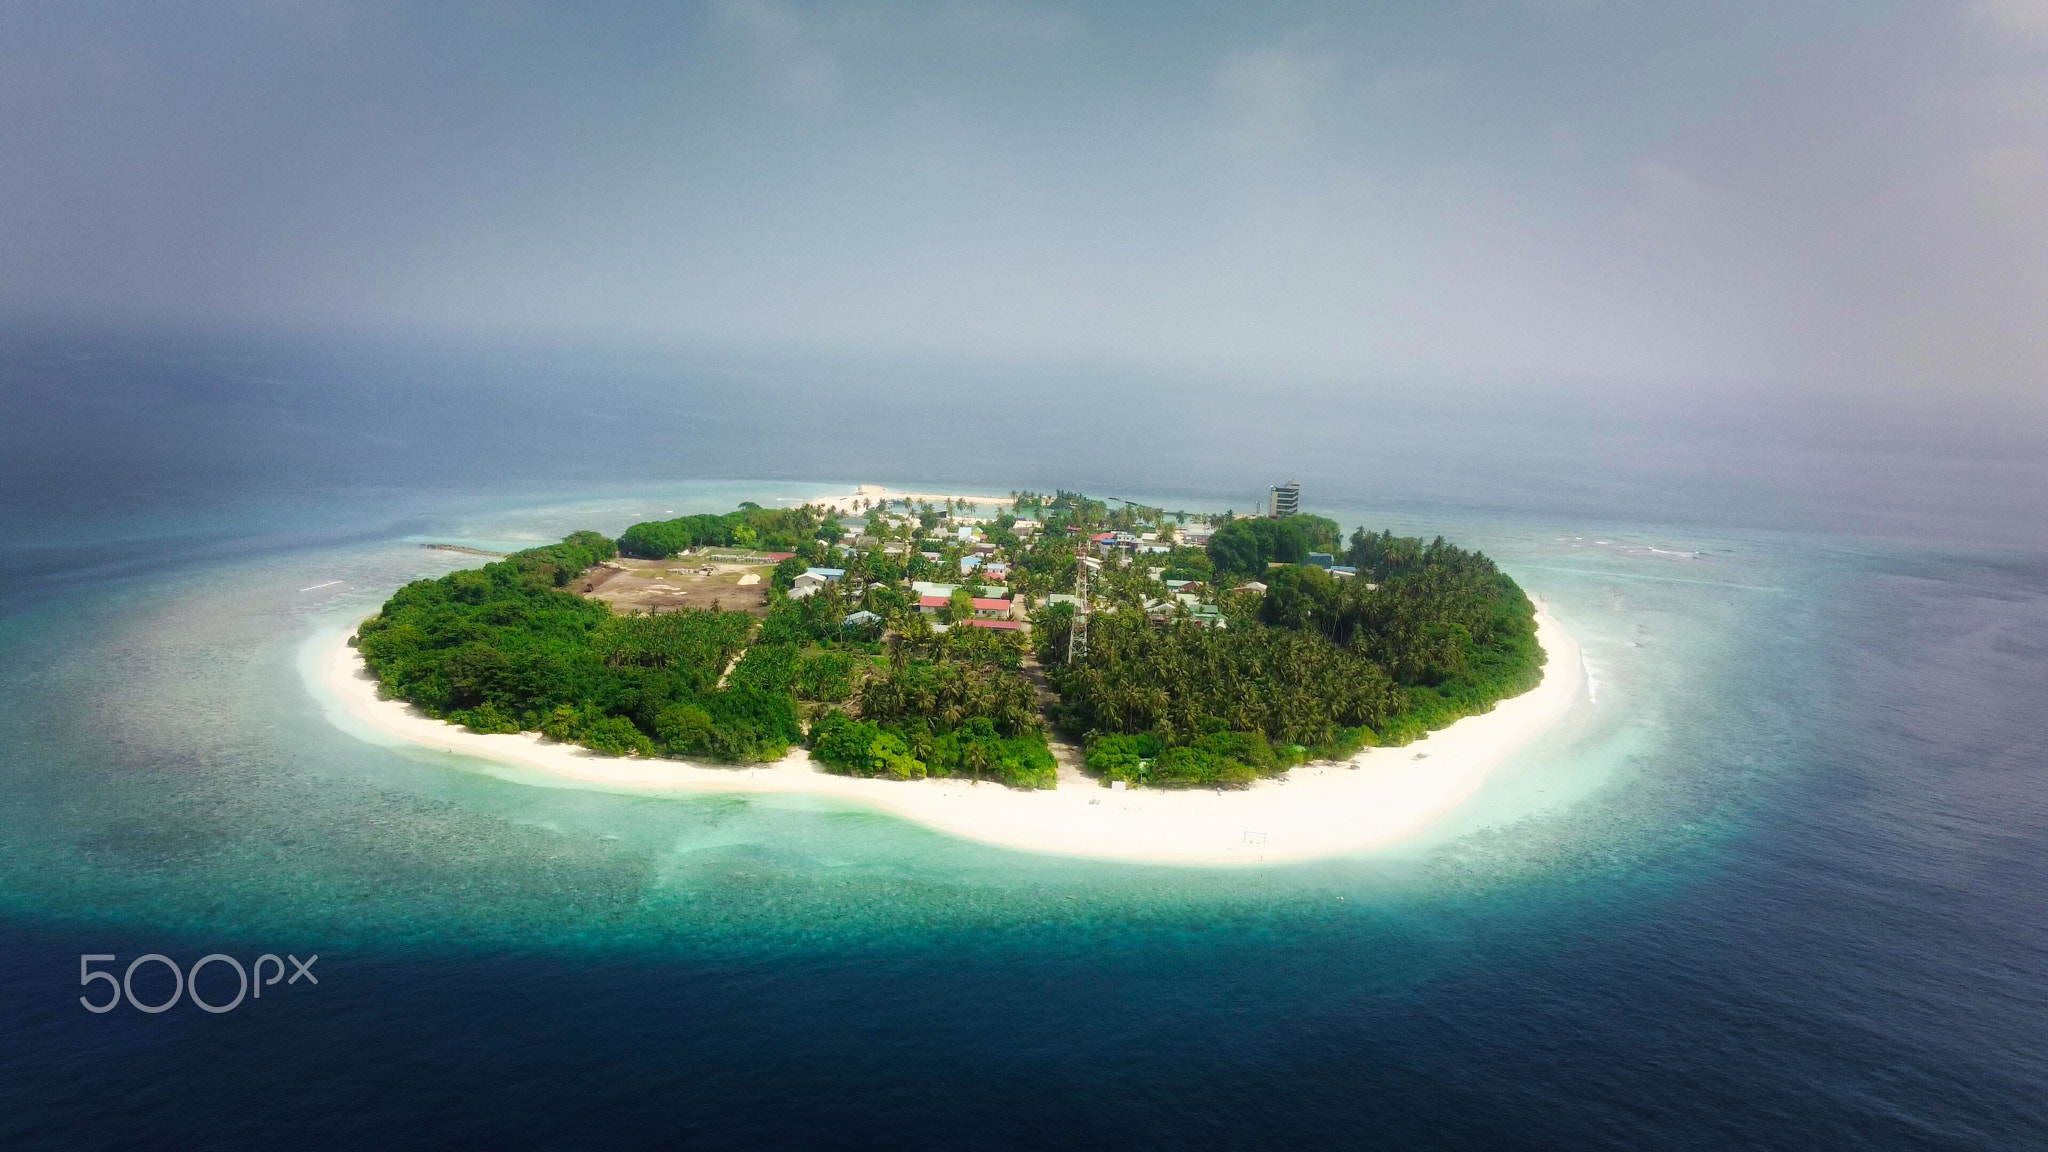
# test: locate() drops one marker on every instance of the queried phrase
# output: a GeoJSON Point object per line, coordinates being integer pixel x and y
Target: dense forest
{"type": "Point", "coordinates": [951, 704]}
{"type": "Point", "coordinates": [1244, 547]}
{"type": "Point", "coordinates": [503, 648]}
{"type": "Point", "coordinates": [1317, 667]}
{"type": "Point", "coordinates": [750, 526]}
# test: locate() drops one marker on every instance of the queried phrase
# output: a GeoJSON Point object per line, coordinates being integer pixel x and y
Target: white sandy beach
{"type": "Point", "coordinates": [1385, 796]}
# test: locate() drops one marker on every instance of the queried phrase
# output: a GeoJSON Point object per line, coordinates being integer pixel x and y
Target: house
{"type": "Point", "coordinates": [805, 584]}
{"type": "Point", "coordinates": [931, 588]}
{"type": "Point", "coordinates": [1107, 542]}
{"type": "Point", "coordinates": [984, 606]}
{"type": "Point", "coordinates": [1343, 571]}
{"type": "Point", "coordinates": [1252, 586]}
{"type": "Point", "coordinates": [969, 564]}
{"type": "Point", "coordinates": [826, 574]}
{"type": "Point", "coordinates": [861, 620]}
{"type": "Point", "coordinates": [1197, 609]}
{"type": "Point", "coordinates": [1322, 560]}
{"type": "Point", "coordinates": [1024, 527]}
{"type": "Point", "coordinates": [997, 625]}
{"type": "Point", "coordinates": [996, 570]}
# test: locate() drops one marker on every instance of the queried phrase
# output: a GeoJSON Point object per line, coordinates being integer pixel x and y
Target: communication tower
{"type": "Point", "coordinates": [1077, 635]}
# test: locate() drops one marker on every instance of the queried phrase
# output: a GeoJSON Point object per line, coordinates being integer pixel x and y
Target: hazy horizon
{"type": "Point", "coordinates": [1568, 197]}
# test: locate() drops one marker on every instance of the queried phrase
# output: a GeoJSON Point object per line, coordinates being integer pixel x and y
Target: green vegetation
{"type": "Point", "coordinates": [506, 648]}
{"type": "Point", "coordinates": [750, 526]}
{"type": "Point", "coordinates": [951, 704]}
{"type": "Point", "coordinates": [503, 648]}
{"type": "Point", "coordinates": [975, 749]}
{"type": "Point", "coordinates": [1216, 758]}
{"type": "Point", "coordinates": [1245, 547]}
{"type": "Point", "coordinates": [1199, 685]}
{"type": "Point", "coordinates": [1316, 668]}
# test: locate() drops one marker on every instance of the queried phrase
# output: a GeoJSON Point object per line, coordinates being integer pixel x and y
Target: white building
{"type": "Point", "coordinates": [1283, 499]}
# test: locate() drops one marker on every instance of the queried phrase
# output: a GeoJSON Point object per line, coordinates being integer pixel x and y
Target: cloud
{"type": "Point", "coordinates": [789, 61]}
{"type": "Point", "coordinates": [1670, 201]}
{"type": "Point", "coordinates": [1268, 98]}
{"type": "Point", "coordinates": [1010, 25]}
{"type": "Point", "coordinates": [2027, 18]}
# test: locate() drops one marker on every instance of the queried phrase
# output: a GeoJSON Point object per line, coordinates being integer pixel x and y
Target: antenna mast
{"type": "Point", "coordinates": [1077, 634]}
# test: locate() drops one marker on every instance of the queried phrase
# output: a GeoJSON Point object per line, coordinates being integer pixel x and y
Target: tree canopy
{"type": "Point", "coordinates": [748, 526]}
{"type": "Point", "coordinates": [1244, 547]}
{"type": "Point", "coordinates": [504, 649]}
{"type": "Point", "coordinates": [1317, 666]}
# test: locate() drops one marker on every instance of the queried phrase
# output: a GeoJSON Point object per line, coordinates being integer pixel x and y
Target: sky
{"type": "Point", "coordinates": [1833, 200]}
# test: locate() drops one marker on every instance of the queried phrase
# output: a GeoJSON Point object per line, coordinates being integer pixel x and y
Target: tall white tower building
{"type": "Point", "coordinates": [1284, 499]}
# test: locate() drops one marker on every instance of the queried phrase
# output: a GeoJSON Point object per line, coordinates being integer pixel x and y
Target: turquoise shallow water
{"type": "Point", "coordinates": [224, 763]}
{"type": "Point", "coordinates": [1774, 887]}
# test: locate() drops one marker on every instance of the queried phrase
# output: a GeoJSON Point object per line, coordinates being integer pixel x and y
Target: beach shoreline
{"type": "Point", "coordinates": [1379, 798]}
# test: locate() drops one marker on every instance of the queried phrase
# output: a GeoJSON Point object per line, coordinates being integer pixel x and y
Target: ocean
{"type": "Point", "coordinates": [1777, 885]}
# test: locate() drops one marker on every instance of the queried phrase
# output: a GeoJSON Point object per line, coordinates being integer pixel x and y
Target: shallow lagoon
{"type": "Point", "coordinates": [211, 689]}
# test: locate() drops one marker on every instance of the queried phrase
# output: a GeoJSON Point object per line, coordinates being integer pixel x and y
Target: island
{"type": "Point", "coordinates": [1012, 640]}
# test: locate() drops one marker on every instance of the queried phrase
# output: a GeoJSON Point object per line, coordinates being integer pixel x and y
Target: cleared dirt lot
{"type": "Point", "coordinates": [639, 585]}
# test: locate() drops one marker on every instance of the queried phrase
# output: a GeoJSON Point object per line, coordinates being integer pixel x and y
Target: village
{"type": "Point", "coordinates": [990, 563]}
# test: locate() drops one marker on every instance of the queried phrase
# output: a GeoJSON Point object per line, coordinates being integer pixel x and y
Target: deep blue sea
{"type": "Point", "coordinates": [1779, 882]}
